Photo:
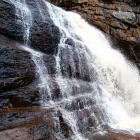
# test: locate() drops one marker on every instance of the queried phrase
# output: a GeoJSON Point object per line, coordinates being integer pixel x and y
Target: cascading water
{"type": "Point", "coordinates": [23, 17]}
{"type": "Point", "coordinates": [112, 68]}
{"type": "Point", "coordinates": [113, 82]}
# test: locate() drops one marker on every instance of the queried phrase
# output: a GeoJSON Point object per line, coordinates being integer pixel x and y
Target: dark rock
{"type": "Point", "coordinates": [64, 127]}
{"type": "Point", "coordinates": [44, 35]}
{"type": "Point", "coordinates": [8, 21]}
{"type": "Point", "coordinates": [29, 123]}
{"type": "Point", "coordinates": [17, 73]}
{"type": "Point", "coordinates": [21, 97]}
{"type": "Point", "coordinates": [50, 63]}
{"type": "Point", "coordinates": [129, 49]}
{"type": "Point", "coordinates": [18, 79]}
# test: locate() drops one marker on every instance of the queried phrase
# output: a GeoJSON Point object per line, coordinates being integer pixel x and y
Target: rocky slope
{"type": "Point", "coordinates": [21, 114]}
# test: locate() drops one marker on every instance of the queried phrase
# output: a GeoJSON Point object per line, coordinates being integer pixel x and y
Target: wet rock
{"type": "Point", "coordinates": [50, 64]}
{"type": "Point", "coordinates": [64, 127]}
{"type": "Point", "coordinates": [74, 94]}
{"type": "Point", "coordinates": [44, 35]}
{"type": "Point", "coordinates": [73, 63]}
{"type": "Point", "coordinates": [111, 134]}
{"type": "Point", "coordinates": [17, 71]}
{"type": "Point", "coordinates": [16, 134]}
{"type": "Point", "coordinates": [21, 97]}
{"type": "Point", "coordinates": [29, 123]}
{"type": "Point", "coordinates": [18, 80]}
{"type": "Point", "coordinates": [79, 103]}
{"type": "Point", "coordinates": [9, 25]}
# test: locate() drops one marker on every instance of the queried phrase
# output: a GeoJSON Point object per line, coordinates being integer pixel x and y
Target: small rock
{"type": "Point", "coordinates": [128, 17]}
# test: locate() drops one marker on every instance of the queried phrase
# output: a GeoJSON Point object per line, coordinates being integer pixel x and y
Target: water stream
{"type": "Point", "coordinates": [114, 82]}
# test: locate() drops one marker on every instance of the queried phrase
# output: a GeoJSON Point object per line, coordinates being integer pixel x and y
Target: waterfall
{"type": "Point", "coordinates": [113, 70]}
{"type": "Point", "coordinates": [113, 83]}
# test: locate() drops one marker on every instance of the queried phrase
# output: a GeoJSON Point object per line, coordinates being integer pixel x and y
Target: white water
{"type": "Point", "coordinates": [23, 16]}
{"type": "Point", "coordinates": [116, 84]}
{"type": "Point", "coordinates": [118, 79]}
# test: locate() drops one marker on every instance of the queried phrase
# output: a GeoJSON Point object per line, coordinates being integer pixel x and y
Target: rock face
{"type": "Point", "coordinates": [40, 32]}
{"type": "Point", "coordinates": [19, 90]}
{"type": "Point", "coordinates": [64, 70]}
{"type": "Point", "coordinates": [21, 96]}
{"type": "Point", "coordinates": [18, 71]}
{"type": "Point", "coordinates": [44, 35]}
{"type": "Point", "coordinates": [119, 18]}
